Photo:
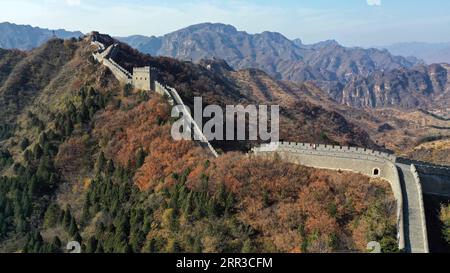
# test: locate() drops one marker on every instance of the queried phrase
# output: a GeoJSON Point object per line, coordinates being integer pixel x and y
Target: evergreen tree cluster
{"type": "Point", "coordinates": [132, 217]}
{"type": "Point", "coordinates": [26, 198]}
{"type": "Point", "coordinates": [116, 216]}
{"type": "Point", "coordinates": [5, 159]}
{"type": "Point", "coordinates": [36, 244]}
{"type": "Point", "coordinates": [113, 193]}
{"type": "Point", "coordinates": [91, 102]}
{"type": "Point", "coordinates": [6, 131]}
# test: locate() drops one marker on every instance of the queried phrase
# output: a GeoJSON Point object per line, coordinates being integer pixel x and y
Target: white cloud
{"type": "Point", "coordinates": [374, 2]}
{"type": "Point", "coordinates": [73, 2]}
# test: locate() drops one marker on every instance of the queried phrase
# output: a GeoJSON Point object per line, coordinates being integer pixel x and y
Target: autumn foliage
{"type": "Point", "coordinates": [291, 208]}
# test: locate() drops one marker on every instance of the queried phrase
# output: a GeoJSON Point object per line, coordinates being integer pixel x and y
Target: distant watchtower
{"type": "Point", "coordinates": [143, 78]}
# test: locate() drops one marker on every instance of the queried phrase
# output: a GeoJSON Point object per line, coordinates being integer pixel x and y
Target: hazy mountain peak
{"type": "Point", "coordinates": [219, 27]}
{"type": "Point", "coordinates": [26, 37]}
{"type": "Point", "coordinates": [326, 43]}
{"type": "Point", "coordinates": [298, 42]}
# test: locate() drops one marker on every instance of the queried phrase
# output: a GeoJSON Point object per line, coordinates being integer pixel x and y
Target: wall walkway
{"type": "Point", "coordinates": [174, 98]}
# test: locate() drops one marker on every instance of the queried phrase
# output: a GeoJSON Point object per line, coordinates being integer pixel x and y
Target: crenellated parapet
{"type": "Point", "coordinates": [141, 77]}
{"type": "Point", "coordinates": [357, 153]}
{"type": "Point", "coordinates": [163, 91]}
{"type": "Point", "coordinates": [145, 69]}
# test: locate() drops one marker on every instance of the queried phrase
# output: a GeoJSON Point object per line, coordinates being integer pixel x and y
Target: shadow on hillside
{"type": "Point", "coordinates": [434, 225]}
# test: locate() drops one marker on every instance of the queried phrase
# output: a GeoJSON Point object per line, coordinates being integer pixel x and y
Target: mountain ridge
{"type": "Point", "coordinates": [26, 37]}
{"type": "Point", "coordinates": [269, 51]}
{"type": "Point", "coordinates": [331, 66]}
{"type": "Point", "coordinates": [350, 75]}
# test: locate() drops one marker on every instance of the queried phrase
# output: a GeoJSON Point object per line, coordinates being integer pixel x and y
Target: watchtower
{"type": "Point", "coordinates": [143, 78]}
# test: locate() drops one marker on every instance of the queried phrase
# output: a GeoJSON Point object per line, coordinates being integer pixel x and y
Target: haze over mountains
{"type": "Point", "coordinates": [429, 52]}
{"type": "Point", "coordinates": [26, 37]}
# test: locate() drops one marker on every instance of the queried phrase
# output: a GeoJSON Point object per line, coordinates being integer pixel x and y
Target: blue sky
{"type": "Point", "coordinates": [351, 22]}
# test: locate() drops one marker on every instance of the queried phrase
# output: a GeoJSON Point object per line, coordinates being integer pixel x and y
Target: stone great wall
{"type": "Point", "coordinates": [175, 99]}
{"type": "Point", "coordinates": [143, 79]}
{"type": "Point", "coordinates": [408, 179]}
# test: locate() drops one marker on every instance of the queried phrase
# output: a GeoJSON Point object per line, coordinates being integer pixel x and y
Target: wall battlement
{"type": "Point", "coordinates": [120, 74]}
{"type": "Point", "coordinates": [123, 70]}
{"type": "Point", "coordinates": [98, 44]}
{"type": "Point", "coordinates": [142, 77]}
{"type": "Point", "coordinates": [307, 147]}
{"type": "Point", "coordinates": [427, 165]}
{"type": "Point", "coordinates": [163, 91]}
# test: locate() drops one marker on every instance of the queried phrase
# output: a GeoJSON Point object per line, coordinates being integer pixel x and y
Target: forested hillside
{"type": "Point", "coordinates": [84, 159]}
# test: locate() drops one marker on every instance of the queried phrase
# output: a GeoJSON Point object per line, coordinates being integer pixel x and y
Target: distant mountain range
{"type": "Point", "coordinates": [26, 37]}
{"type": "Point", "coordinates": [269, 51]}
{"type": "Point", "coordinates": [423, 86]}
{"type": "Point", "coordinates": [429, 52]}
{"type": "Point", "coordinates": [353, 76]}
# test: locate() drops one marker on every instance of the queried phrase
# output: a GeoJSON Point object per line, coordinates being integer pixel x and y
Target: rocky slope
{"type": "Point", "coordinates": [425, 87]}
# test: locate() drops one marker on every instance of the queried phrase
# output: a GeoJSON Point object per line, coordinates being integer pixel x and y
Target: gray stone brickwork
{"type": "Point", "coordinates": [421, 213]}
